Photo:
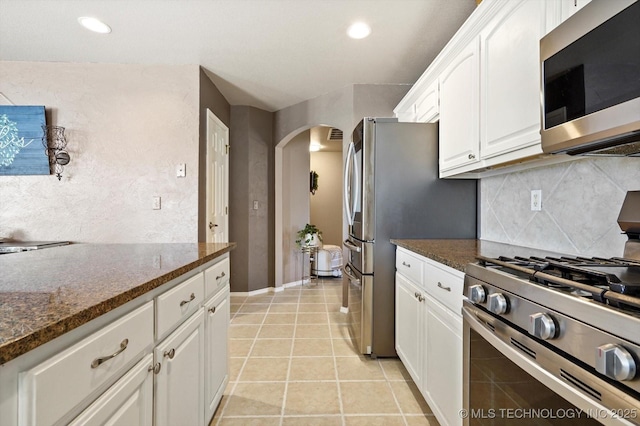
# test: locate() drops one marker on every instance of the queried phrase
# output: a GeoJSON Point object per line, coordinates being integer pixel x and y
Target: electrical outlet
{"type": "Point", "coordinates": [255, 204]}
{"type": "Point", "coordinates": [536, 200]}
{"type": "Point", "coordinates": [157, 205]}
{"type": "Point", "coordinates": [181, 170]}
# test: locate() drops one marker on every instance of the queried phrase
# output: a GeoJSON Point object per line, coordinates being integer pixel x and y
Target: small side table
{"type": "Point", "coordinates": [311, 252]}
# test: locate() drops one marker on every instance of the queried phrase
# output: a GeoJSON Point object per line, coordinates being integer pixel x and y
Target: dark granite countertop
{"type": "Point", "coordinates": [46, 293]}
{"type": "Point", "coordinates": [458, 253]}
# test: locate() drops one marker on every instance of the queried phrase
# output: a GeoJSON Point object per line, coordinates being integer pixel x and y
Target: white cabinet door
{"type": "Point", "coordinates": [459, 109]}
{"type": "Point", "coordinates": [510, 82]}
{"type": "Point", "coordinates": [216, 369]}
{"type": "Point", "coordinates": [427, 105]}
{"type": "Point", "coordinates": [569, 7]}
{"type": "Point", "coordinates": [409, 326]}
{"type": "Point", "coordinates": [443, 365]}
{"type": "Point", "coordinates": [179, 398]}
{"type": "Point", "coordinates": [128, 402]}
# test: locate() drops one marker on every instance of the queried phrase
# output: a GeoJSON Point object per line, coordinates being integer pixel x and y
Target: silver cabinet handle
{"type": "Point", "coordinates": [408, 265]}
{"type": "Point", "coordinates": [170, 353]}
{"type": "Point", "coordinates": [420, 298]}
{"type": "Point", "coordinates": [123, 345]}
{"type": "Point", "coordinates": [155, 368]}
{"type": "Point", "coordinates": [443, 287]}
{"type": "Point", "coordinates": [184, 302]}
{"type": "Point", "coordinates": [222, 275]}
{"type": "Point", "coordinates": [416, 294]}
{"type": "Point", "coordinates": [212, 310]}
{"type": "Point", "coordinates": [472, 156]}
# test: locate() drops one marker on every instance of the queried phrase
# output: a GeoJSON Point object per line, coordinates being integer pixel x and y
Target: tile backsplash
{"type": "Point", "coordinates": [581, 201]}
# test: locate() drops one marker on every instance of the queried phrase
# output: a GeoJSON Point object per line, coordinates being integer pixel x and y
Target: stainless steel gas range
{"type": "Point", "coordinates": [552, 340]}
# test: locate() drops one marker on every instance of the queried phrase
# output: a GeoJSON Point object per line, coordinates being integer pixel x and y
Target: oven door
{"type": "Point", "coordinates": [508, 377]}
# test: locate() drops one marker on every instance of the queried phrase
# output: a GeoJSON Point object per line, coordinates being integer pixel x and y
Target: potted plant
{"type": "Point", "coordinates": [309, 236]}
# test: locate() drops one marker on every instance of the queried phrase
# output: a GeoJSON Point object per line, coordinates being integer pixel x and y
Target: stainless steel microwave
{"type": "Point", "coordinates": [591, 81]}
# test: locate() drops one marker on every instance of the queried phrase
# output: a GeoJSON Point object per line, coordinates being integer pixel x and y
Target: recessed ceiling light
{"type": "Point", "coordinates": [359, 30]}
{"type": "Point", "coordinates": [314, 146]}
{"type": "Point", "coordinates": [94, 25]}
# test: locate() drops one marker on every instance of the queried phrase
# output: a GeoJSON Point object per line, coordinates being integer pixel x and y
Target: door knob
{"type": "Point", "coordinates": [211, 225]}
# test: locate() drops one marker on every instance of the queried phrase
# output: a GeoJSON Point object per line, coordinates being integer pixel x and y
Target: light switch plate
{"type": "Point", "coordinates": [181, 170]}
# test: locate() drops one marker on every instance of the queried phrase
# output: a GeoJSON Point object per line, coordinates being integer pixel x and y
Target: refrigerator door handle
{"type": "Point", "coordinates": [352, 278]}
{"type": "Point", "coordinates": [351, 169]}
{"type": "Point", "coordinates": [348, 244]}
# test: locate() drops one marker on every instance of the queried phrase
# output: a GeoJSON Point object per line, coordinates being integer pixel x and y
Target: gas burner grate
{"type": "Point", "coordinates": [614, 281]}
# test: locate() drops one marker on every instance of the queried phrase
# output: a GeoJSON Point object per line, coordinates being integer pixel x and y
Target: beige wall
{"type": "Point", "coordinates": [295, 202]}
{"type": "Point", "coordinates": [128, 126]}
{"type": "Point", "coordinates": [326, 203]}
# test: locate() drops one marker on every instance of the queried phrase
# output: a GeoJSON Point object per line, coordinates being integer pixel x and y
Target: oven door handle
{"type": "Point", "coordinates": [348, 244]}
{"type": "Point", "coordinates": [490, 329]}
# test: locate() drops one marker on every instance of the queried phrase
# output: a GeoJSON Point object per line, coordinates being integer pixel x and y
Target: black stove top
{"type": "Point", "coordinates": [594, 278]}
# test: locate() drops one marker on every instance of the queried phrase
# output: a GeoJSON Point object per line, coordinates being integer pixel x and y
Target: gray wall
{"type": "Point", "coordinates": [251, 167]}
{"type": "Point", "coordinates": [210, 98]}
{"type": "Point", "coordinates": [581, 201]}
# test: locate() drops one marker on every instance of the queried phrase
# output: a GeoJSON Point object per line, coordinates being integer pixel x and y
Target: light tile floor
{"type": "Point", "coordinates": [292, 363]}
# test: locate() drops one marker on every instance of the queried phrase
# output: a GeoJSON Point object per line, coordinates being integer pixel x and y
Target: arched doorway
{"type": "Point", "coordinates": [294, 203]}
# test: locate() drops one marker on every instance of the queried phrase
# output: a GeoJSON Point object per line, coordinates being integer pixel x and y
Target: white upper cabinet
{"type": "Point", "coordinates": [510, 82]}
{"type": "Point", "coordinates": [488, 88]}
{"type": "Point", "coordinates": [569, 7]}
{"type": "Point", "coordinates": [459, 110]}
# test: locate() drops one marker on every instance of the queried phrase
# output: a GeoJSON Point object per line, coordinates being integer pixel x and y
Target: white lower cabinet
{"type": "Point", "coordinates": [116, 372]}
{"type": "Point", "coordinates": [128, 402]}
{"type": "Point", "coordinates": [443, 362]}
{"type": "Point", "coordinates": [216, 353]}
{"type": "Point", "coordinates": [409, 324]}
{"type": "Point", "coordinates": [179, 385]}
{"type": "Point", "coordinates": [429, 334]}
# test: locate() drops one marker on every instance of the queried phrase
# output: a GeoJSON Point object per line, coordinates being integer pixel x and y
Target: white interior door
{"type": "Point", "coordinates": [217, 180]}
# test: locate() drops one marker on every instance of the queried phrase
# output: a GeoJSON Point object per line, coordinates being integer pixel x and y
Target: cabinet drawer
{"type": "Point", "coordinates": [444, 286]}
{"type": "Point", "coordinates": [52, 389]}
{"type": "Point", "coordinates": [216, 277]}
{"type": "Point", "coordinates": [177, 304]}
{"type": "Point", "coordinates": [409, 265]}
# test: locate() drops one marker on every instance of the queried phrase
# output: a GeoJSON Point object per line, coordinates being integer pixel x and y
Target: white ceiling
{"type": "Point", "coordinates": [265, 53]}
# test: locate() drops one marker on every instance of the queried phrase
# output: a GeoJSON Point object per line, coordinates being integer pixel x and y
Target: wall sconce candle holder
{"type": "Point", "coordinates": [54, 143]}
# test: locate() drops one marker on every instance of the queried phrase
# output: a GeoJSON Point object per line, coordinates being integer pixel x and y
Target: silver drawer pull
{"type": "Point", "coordinates": [471, 156]}
{"type": "Point", "coordinates": [420, 298]}
{"type": "Point", "coordinates": [96, 362]}
{"type": "Point", "coordinates": [222, 275]}
{"type": "Point", "coordinates": [155, 368]}
{"type": "Point", "coordinates": [184, 302]}
{"type": "Point", "coordinates": [212, 310]}
{"type": "Point", "coordinates": [170, 353]}
{"type": "Point", "coordinates": [408, 265]}
{"type": "Point", "coordinates": [416, 294]}
{"type": "Point", "coordinates": [443, 287]}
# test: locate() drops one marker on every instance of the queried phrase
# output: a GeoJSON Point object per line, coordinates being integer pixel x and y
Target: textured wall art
{"type": "Point", "coordinates": [21, 150]}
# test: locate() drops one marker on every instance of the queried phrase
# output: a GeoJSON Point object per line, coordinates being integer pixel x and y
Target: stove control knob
{"type": "Point", "coordinates": [542, 326]}
{"type": "Point", "coordinates": [498, 303]}
{"type": "Point", "coordinates": [615, 361]}
{"type": "Point", "coordinates": [477, 294]}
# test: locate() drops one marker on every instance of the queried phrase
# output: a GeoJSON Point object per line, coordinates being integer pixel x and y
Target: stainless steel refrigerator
{"type": "Point", "coordinates": [392, 190]}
